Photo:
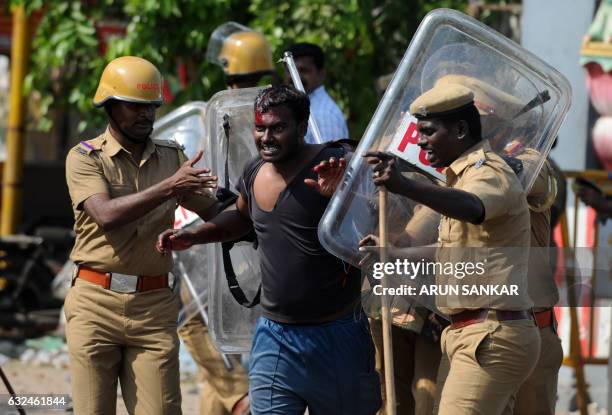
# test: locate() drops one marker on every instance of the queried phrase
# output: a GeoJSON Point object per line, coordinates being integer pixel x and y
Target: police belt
{"type": "Point", "coordinates": [122, 283]}
{"type": "Point", "coordinates": [545, 319]}
{"type": "Point", "coordinates": [468, 317]}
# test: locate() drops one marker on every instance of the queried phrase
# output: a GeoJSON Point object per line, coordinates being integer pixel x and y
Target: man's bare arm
{"type": "Point", "coordinates": [231, 224]}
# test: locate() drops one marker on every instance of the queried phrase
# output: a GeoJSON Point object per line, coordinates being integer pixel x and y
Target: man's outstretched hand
{"type": "Point", "coordinates": [174, 240]}
{"type": "Point", "coordinates": [329, 174]}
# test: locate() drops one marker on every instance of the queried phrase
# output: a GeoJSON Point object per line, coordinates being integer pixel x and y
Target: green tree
{"type": "Point", "coordinates": [362, 40]}
{"type": "Point", "coordinates": [67, 60]}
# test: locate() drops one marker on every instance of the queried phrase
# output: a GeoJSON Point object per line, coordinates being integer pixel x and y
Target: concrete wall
{"type": "Point", "coordinates": [553, 30]}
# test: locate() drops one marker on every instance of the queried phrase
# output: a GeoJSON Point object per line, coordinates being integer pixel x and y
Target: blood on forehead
{"type": "Point", "coordinates": [272, 114]}
{"type": "Point", "coordinates": [258, 116]}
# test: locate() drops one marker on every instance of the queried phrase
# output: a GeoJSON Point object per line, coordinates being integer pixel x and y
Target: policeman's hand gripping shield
{"type": "Point", "coordinates": [522, 102]}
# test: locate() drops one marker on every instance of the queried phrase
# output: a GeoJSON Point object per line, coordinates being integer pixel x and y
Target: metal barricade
{"type": "Point", "coordinates": [579, 229]}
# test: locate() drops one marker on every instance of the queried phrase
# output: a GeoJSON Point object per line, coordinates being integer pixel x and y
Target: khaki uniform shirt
{"type": "Point", "coordinates": [102, 165]}
{"type": "Point", "coordinates": [501, 240]}
{"type": "Point", "coordinates": [542, 288]}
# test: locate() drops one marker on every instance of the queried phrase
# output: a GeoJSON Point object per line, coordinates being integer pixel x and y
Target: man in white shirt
{"type": "Point", "coordinates": [310, 63]}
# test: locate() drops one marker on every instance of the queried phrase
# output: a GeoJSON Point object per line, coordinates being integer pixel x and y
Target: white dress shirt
{"type": "Point", "coordinates": [328, 117]}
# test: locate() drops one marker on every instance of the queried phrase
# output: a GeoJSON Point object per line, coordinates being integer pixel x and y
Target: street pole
{"type": "Point", "coordinates": [15, 137]}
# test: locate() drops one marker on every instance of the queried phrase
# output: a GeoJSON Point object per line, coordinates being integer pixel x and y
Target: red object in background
{"type": "Point", "coordinates": [182, 73]}
{"type": "Point", "coordinates": [6, 29]}
{"type": "Point", "coordinates": [105, 30]}
{"type": "Point", "coordinates": [599, 85]}
{"type": "Point", "coordinates": [168, 97]}
{"type": "Point", "coordinates": [108, 30]}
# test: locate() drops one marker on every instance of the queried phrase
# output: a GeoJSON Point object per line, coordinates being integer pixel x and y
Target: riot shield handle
{"type": "Point", "coordinates": [232, 281]}
{"type": "Point", "coordinates": [540, 99]}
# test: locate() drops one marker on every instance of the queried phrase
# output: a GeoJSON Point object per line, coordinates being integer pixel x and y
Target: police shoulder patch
{"type": "Point", "coordinates": [86, 147]}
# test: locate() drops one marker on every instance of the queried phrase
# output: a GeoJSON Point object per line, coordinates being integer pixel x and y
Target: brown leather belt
{"type": "Point", "coordinates": [140, 284]}
{"type": "Point", "coordinates": [544, 318]}
{"type": "Point", "coordinates": [468, 317]}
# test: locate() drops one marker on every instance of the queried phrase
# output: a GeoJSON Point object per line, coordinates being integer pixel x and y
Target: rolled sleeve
{"type": "Point", "coordinates": [491, 187]}
{"type": "Point", "coordinates": [84, 176]}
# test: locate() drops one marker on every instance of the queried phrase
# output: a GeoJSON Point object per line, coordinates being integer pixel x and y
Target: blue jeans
{"type": "Point", "coordinates": [327, 367]}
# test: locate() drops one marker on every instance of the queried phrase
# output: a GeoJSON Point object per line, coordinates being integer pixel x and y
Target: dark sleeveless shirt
{"type": "Point", "coordinates": [302, 283]}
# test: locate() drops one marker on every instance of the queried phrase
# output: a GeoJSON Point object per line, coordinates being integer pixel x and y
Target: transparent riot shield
{"type": "Point", "coordinates": [185, 125]}
{"type": "Point", "coordinates": [525, 110]}
{"type": "Point", "coordinates": [229, 127]}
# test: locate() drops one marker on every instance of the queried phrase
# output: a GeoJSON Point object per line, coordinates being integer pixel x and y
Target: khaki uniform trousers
{"type": "Point", "coordinates": [483, 366]}
{"type": "Point", "coordinates": [223, 389]}
{"type": "Point", "coordinates": [415, 361]}
{"type": "Point", "coordinates": [130, 337]}
{"type": "Point", "coordinates": [538, 395]}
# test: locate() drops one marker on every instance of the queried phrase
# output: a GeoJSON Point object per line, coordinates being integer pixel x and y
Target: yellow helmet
{"type": "Point", "coordinates": [130, 79]}
{"type": "Point", "coordinates": [239, 50]}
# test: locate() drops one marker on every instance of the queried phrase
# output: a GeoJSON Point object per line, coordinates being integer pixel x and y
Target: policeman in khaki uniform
{"type": "Point", "coordinates": [538, 394]}
{"type": "Point", "coordinates": [121, 314]}
{"type": "Point", "coordinates": [492, 344]}
{"type": "Point", "coordinates": [245, 58]}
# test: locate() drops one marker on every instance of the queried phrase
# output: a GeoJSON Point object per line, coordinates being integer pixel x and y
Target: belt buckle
{"type": "Point", "coordinates": [123, 283]}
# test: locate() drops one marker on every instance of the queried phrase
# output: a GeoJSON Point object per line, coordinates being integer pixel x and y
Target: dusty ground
{"type": "Point", "coordinates": [46, 380]}
{"type": "Point", "coordinates": [27, 378]}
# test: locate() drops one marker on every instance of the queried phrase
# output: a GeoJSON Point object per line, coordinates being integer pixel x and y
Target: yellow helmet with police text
{"type": "Point", "coordinates": [239, 50]}
{"type": "Point", "coordinates": [130, 79]}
